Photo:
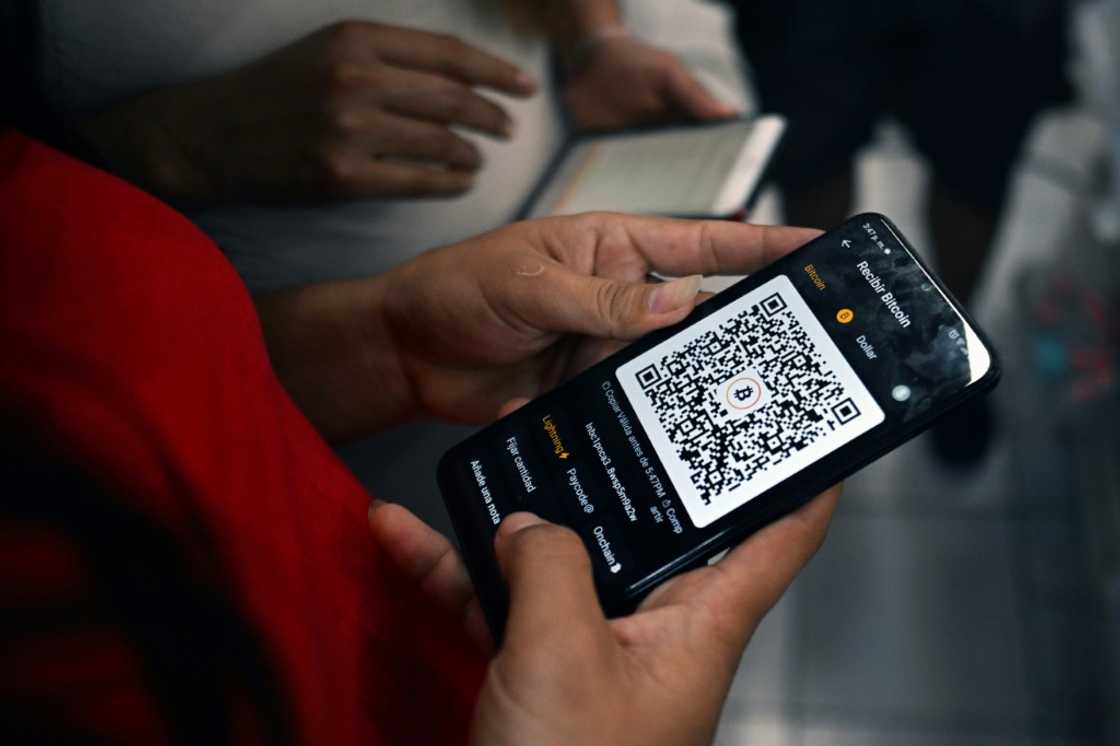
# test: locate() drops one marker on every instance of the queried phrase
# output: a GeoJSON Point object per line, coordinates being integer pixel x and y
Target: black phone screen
{"type": "Point", "coordinates": [693, 436]}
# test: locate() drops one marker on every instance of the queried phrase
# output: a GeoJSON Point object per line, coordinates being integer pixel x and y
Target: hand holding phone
{"type": "Point", "coordinates": [699, 434]}
{"type": "Point", "coordinates": [460, 331]}
{"type": "Point", "coordinates": [513, 312]}
{"type": "Point", "coordinates": [567, 674]}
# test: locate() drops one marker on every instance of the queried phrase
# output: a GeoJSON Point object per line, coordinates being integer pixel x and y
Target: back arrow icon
{"type": "Point", "coordinates": [846, 244]}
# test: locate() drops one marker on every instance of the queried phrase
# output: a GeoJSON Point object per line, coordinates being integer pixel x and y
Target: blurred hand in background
{"type": "Point", "coordinates": [354, 110]}
{"type": "Point", "coordinates": [619, 81]}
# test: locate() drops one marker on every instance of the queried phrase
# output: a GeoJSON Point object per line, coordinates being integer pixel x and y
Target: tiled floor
{"type": "Point", "coordinates": [946, 607]}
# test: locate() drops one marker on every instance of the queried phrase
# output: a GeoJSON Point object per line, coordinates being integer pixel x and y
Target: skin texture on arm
{"type": "Point", "coordinates": [461, 330]}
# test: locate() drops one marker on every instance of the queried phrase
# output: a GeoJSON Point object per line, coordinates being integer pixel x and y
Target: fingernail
{"type": "Point", "coordinates": [374, 507]}
{"type": "Point", "coordinates": [526, 82]}
{"type": "Point", "coordinates": [465, 158]}
{"type": "Point", "coordinates": [669, 296]}
{"type": "Point", "coordinates": [510, 126]}
{"type": "Point", "coordinates": [515, 522]}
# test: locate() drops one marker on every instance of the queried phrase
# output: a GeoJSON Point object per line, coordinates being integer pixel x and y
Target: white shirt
{"type": "Point", "coordinates": [98, 57]}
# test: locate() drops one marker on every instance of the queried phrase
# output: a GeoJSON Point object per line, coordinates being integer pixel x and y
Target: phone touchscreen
{"type": "Point", "coordinates": [773, 389]}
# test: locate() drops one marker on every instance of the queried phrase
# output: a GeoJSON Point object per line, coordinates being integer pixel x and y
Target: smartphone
{"type": "Point", "coordinates": [698, 170]}
{"type": "Point", "coordinates": [682, 444]}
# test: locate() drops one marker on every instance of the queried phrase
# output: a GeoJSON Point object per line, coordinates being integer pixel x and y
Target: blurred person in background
{"type": "Point", "coordinates": [300, 135]}
{"type": "Point", "coordinates": [308, 139]}
{"type": "Point", "coordinates": [965, 78]}
{"type": "Point", "coordinates": [184, 561]}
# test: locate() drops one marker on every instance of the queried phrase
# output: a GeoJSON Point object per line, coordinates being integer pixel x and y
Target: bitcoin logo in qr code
{"type": "Point", "coordinates": [744, 398]}
{"type": "Point", "coordinates": [742, 392]}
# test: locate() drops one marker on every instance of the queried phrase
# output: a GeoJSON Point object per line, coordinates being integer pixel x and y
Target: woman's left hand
{"type": "Point", "coordinates": [460, 331]}
{"type": "Point", "coordinates": [624, 82]}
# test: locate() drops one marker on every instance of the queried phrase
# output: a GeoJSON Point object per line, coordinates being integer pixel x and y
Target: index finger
{"type": "Point", "coordinates": [693, 98]}
{"type": "Point", "coordinates": [451, 57]}
{"type": "Point", "coordinates": [744, 585]}
{"type": "Point", "coordinates": [708, 247]}
{"type": "Point", "coordinates": [755, 574]}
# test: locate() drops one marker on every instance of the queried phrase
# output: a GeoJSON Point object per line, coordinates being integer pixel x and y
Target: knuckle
{"type": "Point", "coordinates": [454, 52]}
{"type": "Point", "coordinates": [547, 541]}
{"type": "Point", "coordinates": [595, 220]}
{"type": "Point", "coordinates": [450, 148]}
{"type": "Point", "coordinates": [457, 104]}
{"type": "Point", "coordinates": [450, 44]}
{"type": "Point", "coordinates": [707, 242]}
{"type": "Point", "coordinates": [338, 168]}
{"type": "Point", "coordinates": [346, 122]}
{"type": "Point", "coordinates": [493, 116]}
{"type": "Point", "coordinates": [456, 108]}
{"type": "Point", "coordinates": [343, 76]}
{"type": "Point", "coordinates": [594, 225]}
{"type": "Point", "coordinates": [676, 78]}
{"type": "Point", "coordinates": [666, 60]}
{"type": "Point", "coordinates": [650, 107]}
{"type": "Point", "coordinates": [614, 304]}
{"type": "Point", "coordinates": [347, 33]}
{"type": "Point", "coordinates": [445, 148]}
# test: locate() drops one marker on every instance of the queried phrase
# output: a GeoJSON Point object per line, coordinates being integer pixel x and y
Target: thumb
{"type": "Point", "coordinates": [688, 95]}
{"type": "Point", "coordinates": [551, 591]}
{"type": "Point", "coordinates": [564, 301]}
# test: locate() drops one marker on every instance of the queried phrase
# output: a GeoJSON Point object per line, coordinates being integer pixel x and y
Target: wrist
{"type": "Point", "coordinates": [589, 16]}
{"type": "Point", "coordinates": [136, 140]}
{"type": "Point", "coordinates": [590, 23]}
{"type": "Point", "coordinates": [332, 349]}
{"type": "Point", "coordinates": [579, 53]}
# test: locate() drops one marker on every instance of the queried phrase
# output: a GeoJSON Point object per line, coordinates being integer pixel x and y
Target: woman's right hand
{"type": "Point", "coordinates": [355, 110]}
{"type": "Point", "coordinates": [461, 330]}
{"type": "Point", "coordinates": [565, 674]}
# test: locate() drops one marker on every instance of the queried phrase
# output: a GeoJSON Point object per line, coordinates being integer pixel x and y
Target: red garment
{"type": "Point", "coordinates": [135, 347]}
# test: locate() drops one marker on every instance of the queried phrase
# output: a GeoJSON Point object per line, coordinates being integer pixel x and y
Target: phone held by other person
{"type": "Point", "coordinates": [682, 444]}
{"type": "Point", "coordinates": [706, 170]}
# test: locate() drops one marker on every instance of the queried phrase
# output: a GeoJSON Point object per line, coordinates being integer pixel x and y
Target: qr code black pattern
{"type": "Point", "coordinates": [805, 399]}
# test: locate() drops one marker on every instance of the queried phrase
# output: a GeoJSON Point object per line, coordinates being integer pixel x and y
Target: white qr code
{"type": "Point", "coordinates": [745, 398]}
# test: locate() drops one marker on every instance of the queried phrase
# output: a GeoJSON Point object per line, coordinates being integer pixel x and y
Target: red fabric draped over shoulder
{"type": "Point", "coordinates": [132, 345]}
